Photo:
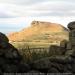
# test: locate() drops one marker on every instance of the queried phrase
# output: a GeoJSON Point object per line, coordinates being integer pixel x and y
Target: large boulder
{"type": "Point", "coordinates": [10, 58]}
{"type": "Point", "coordinates": [59, 64]}
{"type": "Point", "coordinates": [71, 25]}
{"type": "Point", "coordinates": [3, 40]}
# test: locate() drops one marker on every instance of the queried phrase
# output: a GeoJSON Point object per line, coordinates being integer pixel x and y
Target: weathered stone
{"type": "Point", "coordinates": [10, 59]}
{"type": "Point", "coordinates": [60, 64]}
{"type": "Point", "coordinates": [2, 62]}
{"type": "Point", "coordinates": [34, 71]}
{"type": "Point", "coordinates": [41, 64]}
{"type": "Point", "coordinates": [23, 67]}
{"type": "Point", "coordinates": [55, 50]}
{"type": "Point", "coordinates": [53, 70]}
{"type": "Point", "coordinates": [66, 70]}
{"type": "Point", "coordinates": [34, 23]}
{"type": "Point", "coordinates": [12, 53]}
{"type": "Point", "coordinates": [71, 25]}
{"type": "Point", "coordinates": [46, 63]}
{"type": "Point", "coordinates": [9, 68]}
{"type": "Point", "coordinates": [69, 47]}
{"type": "Point", "coordinates": [69, 52]}
{"type": "Point", "coordinates": [72, 33]}
{"type": "Point", "coordinates": [73, 53]}
{"type": "Point", "coordinates": [3, 38]}
{"type": "Point", "coordinates": [72, 41]}
{"type": "Point", "coordinates": [63, 43]}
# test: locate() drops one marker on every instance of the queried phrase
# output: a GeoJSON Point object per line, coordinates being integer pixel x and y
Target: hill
{"type": "Point", "coordinates": [40, 34]}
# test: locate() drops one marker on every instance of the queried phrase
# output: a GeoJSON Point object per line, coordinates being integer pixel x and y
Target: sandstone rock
{"type": "Point", "coordinates": [63, 43]}
{"type": "Point", "coordinates": [10, 59]}
{"type": "Point", "coordinates": [47, 63]}
{"type": "Point", "coordinates": [34, 71]}
{"type": "Point", "coordinates": [72, 33]}
{"type": "Point", "coordinates": [53, 70]}
{"type": "Point", "coordinates": [69, 52]}
{"type": "Point", "coordinates": [34, 23]}
{"type": "Point", "coordinates": [60, 63]}
{"type": "Point", "coordinates": [23, 67]}
{"type": "Point", "coordinates": [41, 64]}
{"type": "Point", "coordinates": [71, 25]}
{"type": "Point", "coordinates": [12, 53]}
{"type": "Point", "coordinates": [9, 68]}
{"type": "Point", "coordinates": [69, 47]}
{"type": "Point", "coordinates": [57, 64]}
{"type": "Point", "coordinates": [3, 38]}
{"type": "Point", "coordinates": [55, 50]}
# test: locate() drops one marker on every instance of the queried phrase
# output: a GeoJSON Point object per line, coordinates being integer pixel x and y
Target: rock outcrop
{"type": "Point", "coordinates": [60, 63]}
{"type": "Point", "coordinates": [71, 25]}
{"type": "Point", "coordinates": [10, 59]}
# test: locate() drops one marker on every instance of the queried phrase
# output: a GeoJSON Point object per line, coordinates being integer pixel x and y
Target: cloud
{"type": "Point", "coordinates": [24, 8]}
{"type": "Point", "coordinates": [8, 25]}
{"type": "Point", "coordinates": [17, 14]}
{"type": "Point", "coordinates": [21, 2]}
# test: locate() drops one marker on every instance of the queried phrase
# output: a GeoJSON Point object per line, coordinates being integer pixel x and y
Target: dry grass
{"type": "Point", "coordinates": [39, 35]}
{"type": "Point", "coordinates": [41, 30]}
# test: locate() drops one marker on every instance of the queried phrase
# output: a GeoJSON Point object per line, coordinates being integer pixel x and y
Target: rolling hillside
{"type": "Point", "coordinates": [40, 34]}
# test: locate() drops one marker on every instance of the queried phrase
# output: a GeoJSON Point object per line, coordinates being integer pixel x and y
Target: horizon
{"type": "Point", "coordinates": [16, 15]}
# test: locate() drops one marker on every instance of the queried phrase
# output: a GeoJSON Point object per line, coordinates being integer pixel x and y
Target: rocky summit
{"type": "Point", "coordinates": [40, 34]}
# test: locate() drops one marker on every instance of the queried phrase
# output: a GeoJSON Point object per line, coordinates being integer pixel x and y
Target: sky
{"type": "Point", "coordinates": [17, 14]}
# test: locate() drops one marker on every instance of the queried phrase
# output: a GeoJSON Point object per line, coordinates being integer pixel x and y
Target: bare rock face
{"type": "Point", "coordinates": [71, 25]}
{"type": "Point", "coordinates": [38, 23]}
{"type": "Point", "coordinates": [3, 40]}
{"type": "Point", "coordinates": [10, 59]}
{"type": "Point", "coordinates": [34, 23]}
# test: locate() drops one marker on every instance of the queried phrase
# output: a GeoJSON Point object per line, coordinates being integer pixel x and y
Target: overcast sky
{"type": "Point", "coordinates": [17, 14]}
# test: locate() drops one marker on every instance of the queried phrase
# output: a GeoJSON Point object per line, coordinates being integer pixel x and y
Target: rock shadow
{"type": "Point", "coordinates": [58, 50]}
{"type": "Point", "coordinates": [10, 59]}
